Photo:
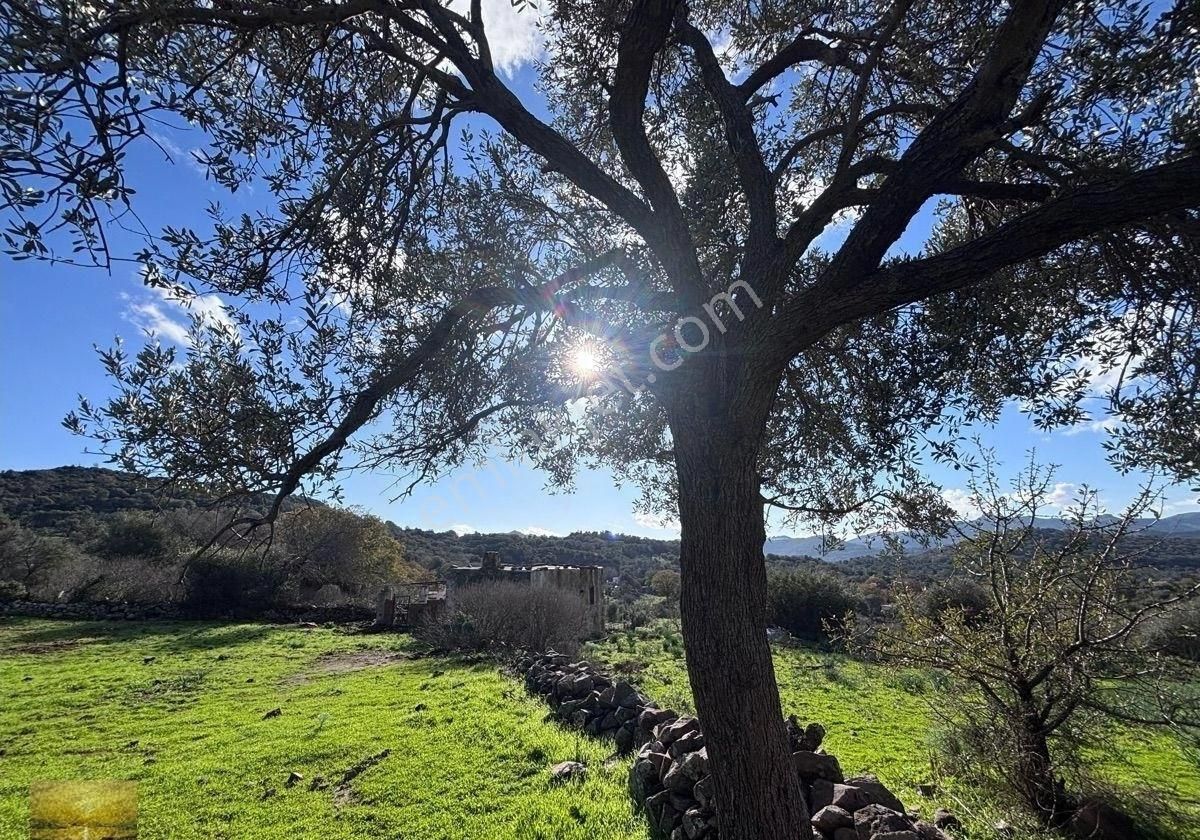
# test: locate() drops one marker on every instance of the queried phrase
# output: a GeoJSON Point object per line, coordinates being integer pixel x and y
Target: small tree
{"type": "Point", "coordinates": [1058, 642]}
{"type": "Point", "coordinates": [330, 545]}
{"type": "Point", "coordinates": [665, 582]}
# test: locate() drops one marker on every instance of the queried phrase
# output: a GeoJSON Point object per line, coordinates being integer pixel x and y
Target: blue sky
{"type": "Point", "coordinates": [52, 316]}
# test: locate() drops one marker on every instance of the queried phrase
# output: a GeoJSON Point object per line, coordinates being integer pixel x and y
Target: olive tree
{"type": "Point", "coordinates": [679, 251]}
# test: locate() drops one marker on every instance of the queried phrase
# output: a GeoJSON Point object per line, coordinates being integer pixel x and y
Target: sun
{"type": "Point", "coordinates": [585, 361]}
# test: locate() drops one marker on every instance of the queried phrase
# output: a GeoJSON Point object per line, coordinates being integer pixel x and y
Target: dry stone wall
{"type": "Point", "coordinates": [669, 778]}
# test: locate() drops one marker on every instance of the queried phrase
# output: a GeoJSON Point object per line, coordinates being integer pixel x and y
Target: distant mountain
{"type": "Point", "coordinates": [1179, 526]}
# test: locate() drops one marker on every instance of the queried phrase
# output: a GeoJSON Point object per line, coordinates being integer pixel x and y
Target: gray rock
{"type": "Point", "coordinates": [703, 791]}
{"type": "Point", "coordinates": [942, 818]}
{"type": "Point", "coordinates": [830, 818]}
{"type": "Point", "coordinates": [695, 764]}
{"type": "Point", "coordinates": [567, 771]}
{"type": "Point", "coordinates": [676, 780]}
{"type": "Point", "coordinates": [695, 824]}
{"type": "Point", "coordinates": [877, 793]}
{"type": "Point", "coordinates": [820, 794]}
{"type": "Point", "coordinates": [668, 733]}
{"type": "Point", "coordinates": [684, 744]}
{"type": "Point", "coordinates": [876, 819]}
{"type": "Point", "coordinates": [813, 765]}
{"type": "Point", "coordinates": [850, 798]}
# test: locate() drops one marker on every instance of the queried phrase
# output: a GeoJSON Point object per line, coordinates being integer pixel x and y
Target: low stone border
{"type": "Point", "coordinates": [669, 780]}
{"type": "Point", "coordinates": [116, 611]}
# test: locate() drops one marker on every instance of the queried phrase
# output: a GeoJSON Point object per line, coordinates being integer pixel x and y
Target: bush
{"type": "Point", "coordinates": [959, 594]}
{"type": "Point", "coordinates": [505, 613]}
{"type": "Point", "coordinates": [807, 603]}
{"type": "Point", "coordinates": [137, 535]}
{"type": "Point", "coordinates": [1178, 634]}
{"type": "Point", "coordinates": [228, 583]}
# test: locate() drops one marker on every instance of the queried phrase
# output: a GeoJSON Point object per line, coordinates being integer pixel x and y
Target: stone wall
{"type": "Point", "coordinates": [669, 779]}
{"type": "Point", "coordinates": [151, 612]}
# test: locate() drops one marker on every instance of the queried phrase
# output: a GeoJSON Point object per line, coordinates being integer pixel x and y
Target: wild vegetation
{"type": "Point", "coordinates": [76, 534]}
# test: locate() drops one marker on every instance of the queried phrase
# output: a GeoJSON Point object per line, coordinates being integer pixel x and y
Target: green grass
{"type": "Point", "coordinates": [469, 751]}
{"type": "Point", "coordinates": [883, 720]}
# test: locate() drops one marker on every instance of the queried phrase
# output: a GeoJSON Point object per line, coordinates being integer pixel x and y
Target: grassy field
{"type": "Point", "coordinates": [180, 708]}
{"type": "Point", "coordinates": [883, 720]}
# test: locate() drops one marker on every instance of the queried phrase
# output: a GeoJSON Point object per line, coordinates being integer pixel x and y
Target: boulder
{"type": "Point", "coordinates": [820, 794]}
{"type": "Point", "coordinates": [676, 780]}
{"type": "Point", "coordinates": [1096, 819]}
{"type": "Point", "coordinates": [703, 792]}
{"type": "Point", "coordinates": [876, 819]}
{"type": "Point", "coordinates": [830, 818]}
{"type": "Point", "coordinates": [684, 744]}
{"type": "Point", "coordinates": [695, 764]}
{"type": "Point", "coordinates": [624, 737]}
{"type": "Point", "coordinates": [668, 733]}
{"type": "Point", "coordinates": [849, 797]}
{"type": "Point", "coordinates": [877, 793]}
{"type": "Point", "coordinates": [624, 694]}
{"type": "Point", "coordinates": [695, 824]}
{"type": "Point", "coordinates": [814, 765]}
{"type": "Point", "coordinates": [945, 819]}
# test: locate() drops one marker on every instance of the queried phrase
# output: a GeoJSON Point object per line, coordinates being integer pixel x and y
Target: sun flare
{"type": "Point", "coordinates": [585, 360]}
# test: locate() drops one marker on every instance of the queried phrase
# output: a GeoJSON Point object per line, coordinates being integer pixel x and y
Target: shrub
{"type": "Point", "coordinates": [229, 583]}
{"type": "Point", "coordinates": [959, 594]}
{"type": "Point", "coordinates": [504, 613]}
{"type": "Point", "coordinates": [136, 534]}
{"type": "Point", "coordinates": [807, 603]}
{"type": "Point", "coordinates": [1178, 634]}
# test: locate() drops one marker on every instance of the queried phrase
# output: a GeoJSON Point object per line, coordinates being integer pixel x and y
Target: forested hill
{"type": "Point", "coordinates": [619, 553]}
{"type": "Point", "coordinates": [45, 498]}
{"type": "Point", "coordinates": [40, 498]}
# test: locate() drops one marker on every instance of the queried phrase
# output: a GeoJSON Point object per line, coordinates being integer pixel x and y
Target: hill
{"type": "Point", "coordinates": [94, 534]}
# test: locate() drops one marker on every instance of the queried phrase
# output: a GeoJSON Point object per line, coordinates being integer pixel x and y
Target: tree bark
{"type": "Point", "coordinates": [723, 607]}
{"type": "Point", "coordinates": [1036, 779]}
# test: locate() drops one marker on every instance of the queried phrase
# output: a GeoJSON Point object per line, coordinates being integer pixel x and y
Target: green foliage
{"type": "Point", "coordinates": [94, 534]}
{"type": "Point", "coordinates": [807, 603]}
{"type": "Point", "coordinates": [137, 534]}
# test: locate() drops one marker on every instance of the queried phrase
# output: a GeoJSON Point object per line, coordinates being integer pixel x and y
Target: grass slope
{"type": "Point", "coordinates": [469, 751]}
{"type": "Point", "coordinates": [883, 720]}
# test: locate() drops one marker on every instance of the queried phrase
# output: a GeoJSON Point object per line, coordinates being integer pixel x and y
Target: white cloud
{"type": "Point", "coordinates": [513, 34]}
{"type": "Point", "coordinates": [534, 531]}
{"type": "Point", "coordinates": [962, 502]}
{"type": "Point", "coordinates": [656, 523]}
{"type": "Point", "coordinates": [1188, 504]}
{"type": "Point", "coordinates": [1095, 426]}
{"type": "Point", "coordinates": [149, 316]}
{"type": "Point", "coordinates": [166, 313]}
{"type": "Point", "coordinates": [1062, 494]}
{"type": "Point", "coordinates": [461, 529]}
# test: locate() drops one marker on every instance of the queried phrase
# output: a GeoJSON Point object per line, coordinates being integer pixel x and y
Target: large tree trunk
{"type": "Point", "coordinates": [723, 605]}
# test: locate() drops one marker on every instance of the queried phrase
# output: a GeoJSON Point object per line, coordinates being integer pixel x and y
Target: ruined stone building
{"type": "Point", "coordinates": [585, 582]}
